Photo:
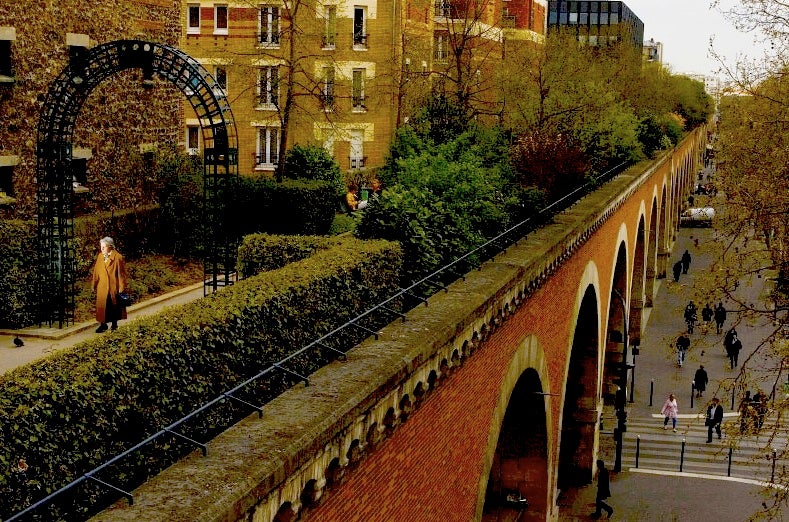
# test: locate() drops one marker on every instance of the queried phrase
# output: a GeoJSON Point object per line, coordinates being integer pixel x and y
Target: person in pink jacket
{"type": "Point", "coordinates": [670, 411]}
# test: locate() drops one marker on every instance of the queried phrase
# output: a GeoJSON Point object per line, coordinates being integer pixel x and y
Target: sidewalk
{"type": "Point", "coordinates": [39, 342]}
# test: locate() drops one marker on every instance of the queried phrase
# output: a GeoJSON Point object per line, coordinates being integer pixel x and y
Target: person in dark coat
{"type": "Point", "coordinates": [707, 313]}
{"type": "Point", "coordinates": [700, 380]}
{"type": "Point", "coordinates": [759, 403]}
{"type": "Point", "coordinates": [714, 418]}
{"type": "Point", "coordinates": [603, 491]}
{"type": "Point", "coordinates": [109, 279]}
{"type": "Point", "coordinates": [734, 351]}
{"type": "Point", "coordinates": [690, 315]}
{"type": "Point", "coordinates": [677, 269]}
{"type": "Point", "coordinates": [720, 317]}
{"type": "Point", "coordinates": [685, 262]}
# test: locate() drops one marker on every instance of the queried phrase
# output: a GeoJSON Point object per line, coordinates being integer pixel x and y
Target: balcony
{"type": "Point", "coordinates": [444, 9]}
{"type": "Point", "coordinates": [269, 39]}
{"type": "Point", "coordinates": [329, 41]}
{"type": "Point", "coordinates": [327, 100]}
{"type": "Point", "coordinates": [266, 162]}
{"type": "Point", "coordinates": [357, 162]}
{"type": "Point", "coordinates": [360, 41]}
{"type": "Point", "coordinates": [357, 103]}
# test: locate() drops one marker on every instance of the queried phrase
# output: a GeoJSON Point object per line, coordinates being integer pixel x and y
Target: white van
{"type": "Point", "coordinates": [697, 217]}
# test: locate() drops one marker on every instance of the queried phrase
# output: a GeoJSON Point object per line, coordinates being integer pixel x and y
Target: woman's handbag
{"type": "Point", "coordinates": [124, 299]}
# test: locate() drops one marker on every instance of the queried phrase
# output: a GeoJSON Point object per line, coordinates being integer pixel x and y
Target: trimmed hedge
{"type": "Point", "coordinates": [72, 411]}
{"type": "Point", "coordinates": [262, 252]}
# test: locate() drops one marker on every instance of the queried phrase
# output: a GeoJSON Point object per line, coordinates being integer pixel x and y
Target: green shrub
{"type": "Point", "coordinates": [313, 162]}
{"type": "Point", "coordinates": [79, 407]}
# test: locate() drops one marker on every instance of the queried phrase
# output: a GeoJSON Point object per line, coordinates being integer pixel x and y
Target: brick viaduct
{"type": "Point", "coordinates": [496, 384]}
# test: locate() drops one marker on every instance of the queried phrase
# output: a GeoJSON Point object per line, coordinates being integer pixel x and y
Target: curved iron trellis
{"type": "Point", "coordinates": [62, 105]}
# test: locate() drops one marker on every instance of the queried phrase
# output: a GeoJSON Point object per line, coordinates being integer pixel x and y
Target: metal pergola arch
{"type": "Point", "coordinates": [86, 69]}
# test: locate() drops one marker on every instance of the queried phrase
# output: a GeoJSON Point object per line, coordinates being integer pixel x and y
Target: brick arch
{"type": "Point", "coordinates": [652, 252]}
{"type": "Point", "coordinates": [638, 277]}
{"type": "Point", "coordinates": [580, 403]}
{"type": "Point", "coordinates": [617, 315]}
{"type": "Point", "coordinates": [520, 396]}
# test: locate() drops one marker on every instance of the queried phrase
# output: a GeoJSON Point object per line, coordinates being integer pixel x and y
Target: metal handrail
{"type": "Point", "coordinates": [410, 291]}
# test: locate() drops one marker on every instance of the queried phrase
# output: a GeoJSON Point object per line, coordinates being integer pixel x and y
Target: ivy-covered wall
{"type": "Point", "coordinates": [118, 116]}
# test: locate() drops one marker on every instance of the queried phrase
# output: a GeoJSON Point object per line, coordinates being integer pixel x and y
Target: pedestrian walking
{"type": "Point", "coordinates": [707, 313]}
{"type": "Point", "coordinates": [690, 315]}
{"type": "Point", "coordinates": [670, 410]}
{"type": "Point", "coordinates": [683, 345]}
{"type": "Point", "coordinates": [734, 351]}
{"type": "Point", "coordinates": [728, 339]}
{"type": "Point", "coordinates": [714, 418]}
{"type": "Point", "coordinates": [603, 491]}
{"type": "Point", "coordinates": [700, 380]}
{"type": "Point", "coordinates": [759, 403]}
{"type": "Point", "coordinates": [677, 269]}
{"type": "Point", "coordinates": [720, 317]}
{"type": "Point", "coordinates": [109, 279]}
{"type": "Point", "coordinates": [685, 259]}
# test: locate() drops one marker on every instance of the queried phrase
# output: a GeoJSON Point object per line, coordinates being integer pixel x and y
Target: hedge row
{"type": "Point", "coordinates": [80, 407]}
{"type": "Point", "coordinates": [262, 252]}
{"type": "Point", "coordinates": [18, 261]}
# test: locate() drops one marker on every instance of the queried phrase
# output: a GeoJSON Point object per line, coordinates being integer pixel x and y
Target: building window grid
{"type": "Point", "coordinates": [327, 93]}
{"type": "Point", "coordinates": [220, 19]}
{"type": "Point", "coordinates": [330, 27]}
{"type": "Point", "coordinates": [193, 139]}
{"type": "Point", "coordinates": [268, 86]}
{"type": "Point", "coordinates": [268, 25]}
{"type": "Point", "coordinates": [267, 147]}
{"type": "Point", "coordinates": [193, 19]}
{"type": "Point", "coordinates": [360, 36]}
{"type": "Point", "coordinates": [441, 48]}
{"type": "Point", "coordinates": [357, 90]}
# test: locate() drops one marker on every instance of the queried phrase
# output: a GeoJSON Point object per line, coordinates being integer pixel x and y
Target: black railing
{"type": "Point", "coordinates": [327, 99]}
{"type": "Point", "coordinates": [360, 40]}
{"type": "Point", "coordinates": [357, 163]}
{"type": "Point", "coordinates": [269, 37]}
{"type": "Point", "coordinates": [329, 41]}
{"type": "Point", "coordinates": [357, 101]}
{"type": "Point", "coordinates": [260, 159]}
{"type": "Point", "coordinates": [414, 292]}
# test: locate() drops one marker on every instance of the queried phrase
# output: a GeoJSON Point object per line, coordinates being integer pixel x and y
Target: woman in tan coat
{"type": "Point", "coordinates": [109, 279]}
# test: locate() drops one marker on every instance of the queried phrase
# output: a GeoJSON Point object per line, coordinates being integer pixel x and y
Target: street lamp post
{"type": "Point", "coordinates": [621, 392]}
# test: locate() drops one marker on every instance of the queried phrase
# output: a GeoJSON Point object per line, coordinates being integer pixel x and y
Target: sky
{"type": "Point", "coordinates": [685, 27]}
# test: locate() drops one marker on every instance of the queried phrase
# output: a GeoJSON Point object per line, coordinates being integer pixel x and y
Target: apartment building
{"type": "Point", "coordinates": [596, 23]}
{"type": "Point", "coordinates": [345, 75]}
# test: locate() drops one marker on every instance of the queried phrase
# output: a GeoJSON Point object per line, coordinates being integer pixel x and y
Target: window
{"type": "Point", "coordinates": [357, 149]}
{"type": "Point", "coordinates": [220, 19]}
{"type": "Point", "coordinates": [267, 148]}
{"type": "Point", "coordinates": [193, 140]}
{"type": "Point", "coordinates": [443, 8]}
{"type": "Point", "coordinates": [359, 28]}
{"type": "Point", "coordinates": [330, 28]}
{"type": "Point", "coordinates": [268, 22]}
{"type": "Point", "coordinates": [220, 75]}
{"type": "Point", "coordinates": [441, 47]}
{"type": "Point", "coordinates": [328, 88]}
{"type": "Point", "coordinates": [7, 37]}
{"type": "Point", "coordinates": [193, 19]}
{"type": "Point", "coordinates": [268, 86]}
{"type": "Point", "coordinates": [357, 90]}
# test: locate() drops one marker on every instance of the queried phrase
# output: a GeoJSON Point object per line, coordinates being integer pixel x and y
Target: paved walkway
{"type": "Point", "coordinates": [39, 342]}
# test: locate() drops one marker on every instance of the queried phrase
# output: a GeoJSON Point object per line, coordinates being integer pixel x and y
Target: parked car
{"type": "Point", "coordinates": [697, 217]}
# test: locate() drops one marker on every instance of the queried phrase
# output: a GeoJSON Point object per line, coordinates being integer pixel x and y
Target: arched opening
{"type": "Point", "coordinates": [579, 413]}
{"type": "Point", "coordinates": [286, 513]}
{"type": "Point", "coordinates": [638, 281]}
{"type": "Point", "coordinates": [61, 108]}
{"type": "Point", "coordinates": [651, 260]}
{"type": "Point", "coordinates": [662, 239]}
{"type": "Point", "coordinates": [615, 372]}
{"type": "Point", "coordinates": [518, 479]}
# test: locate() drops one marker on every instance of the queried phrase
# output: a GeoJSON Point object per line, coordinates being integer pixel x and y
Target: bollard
{"type": "Point", "coordinates": [692, 392]}
{"type": "Point", "coordinates": [651, 390]}
{"type": "Point", "coordinates": [682, 456]}
{"type": "Point", "coordinates": [638, 449]}
{"type": "Point", "coordinates": [728, 472]}
{"type": "Point", "coordinates": [772, 477]}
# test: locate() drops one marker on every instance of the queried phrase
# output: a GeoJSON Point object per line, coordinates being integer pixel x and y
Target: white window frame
{"type": "Point", "coordinates": [329, 88]}
{"type": "Point", "coordinates": [192, 29]}
{"type": "Point", "coordinates": [271, 24]}
{"type": "Point", "coordinates": [266, 149]}
{"type": "Point", "coordinates": [364, 44]}
{"type": "Point", "coordinates": [441, 51]}
{"type": "Point", "coordinates": [268, 87]}
{"type": "Point", "coordinates": [356, 149]}
{"type": "Point", "coordinates": [217, 29]}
